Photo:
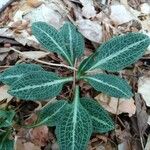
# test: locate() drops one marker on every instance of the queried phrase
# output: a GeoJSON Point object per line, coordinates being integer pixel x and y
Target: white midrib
{"type": "Point", "coordinates": [102, 61]}
{"type": "Point", "coordinates": [100, 81]}
{"type": "Point", "coordinates": [43, 85]}
{"type": "Point", "coordinates": [86, 63]}
{"type": "Point", "coordinates": [59, 47]}
{"type": "Point", "coordinates": [12, 76]}
{"type": "Point", "coordinates": [70, 37]}
{"type": "Point", "coordinates": [101, 121]}
{"type": "Point", "coordinates": [75, 111]}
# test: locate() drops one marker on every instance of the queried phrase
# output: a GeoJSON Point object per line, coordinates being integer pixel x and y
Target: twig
{"type": "Point", "coordinates": [116, 113]}
{"type": "Point", "coordinates": [43, 62]}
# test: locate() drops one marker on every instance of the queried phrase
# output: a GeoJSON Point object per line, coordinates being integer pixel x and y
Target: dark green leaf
{"type": "Point", "coordinates": [100, 119]}
{"type": "Point", "coordinates": [12, 74]}
{"type": "Point", "coordinates": [75, 128]}
{"type": "Point", "coordinates": [38, 86]}
{"type": "Point", "coordinates": [110, 84]}
{"type": "Point", "coordinates": [6, 118]}
{"type": "Point", "coordinates": [51, 113]}
{"type": "Point", "coordinates": [5, 142]}
{"type": "Point", "coordinates": [86, 64]}
{"type": "Point", "coordinates": [50, 39]}
{"type": "Point", "coordinates": [121, 51]}
{"type": "Point", "coordinates": [73, 39]}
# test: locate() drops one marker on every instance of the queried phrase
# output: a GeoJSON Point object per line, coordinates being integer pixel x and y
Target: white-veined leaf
{"type": "Point", "coordinates": [112, 85]}
{"type": "Point", "coordinates": [100, 118]}
{"type": "Point", "coordinates": [50, 39]}
{"type": "Point", "coordinates": [86, 64]}
{"type": "Point", "coordinates": [38, 86]}
{"type": "Point", "coordinates": [6, 118]}
{"type": "Point", "coordinates": [120, 52]}
{"type": "Point", "coordinates": [5, 142]}
{"type": "Point", "coordinates": [12, 74]}
{"type": "Point", "coordinates": [74, 41]}
{"type": "Point", "coordinates": [50, 114]}
{"type": "Point", "coordinates": [75, 128]}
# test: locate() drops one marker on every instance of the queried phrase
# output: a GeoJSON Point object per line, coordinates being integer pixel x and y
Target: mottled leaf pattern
{"type": "Point", "coordinates": [38, 86]}
{"type": "Point", "coordinates": [12, 74]}
{"type": "Point", "coordinates": [51, 113]}
{"type": "Point", "coordinates": [75, 128]}
{"type": "Point", "coordinates": [74, 41]}
{"type": "Point", "coordinates": [50, 39]}
{"type": "Point", "coordinates": [100, 119]}
{"type": "Point", "coordinates": [110, 84]}
{"type": "Point", "coordinates": [6, 118]}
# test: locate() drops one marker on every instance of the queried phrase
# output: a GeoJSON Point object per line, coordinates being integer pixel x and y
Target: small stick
{"type": "Point", "coordinates": [44, 62]}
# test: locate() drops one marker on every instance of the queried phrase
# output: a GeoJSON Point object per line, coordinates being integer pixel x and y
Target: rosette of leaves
{"type": "Point", "coordinates": [75, 121]}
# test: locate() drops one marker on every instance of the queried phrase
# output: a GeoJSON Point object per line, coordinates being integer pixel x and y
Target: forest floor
{"type": "Point", "coordinates": [97, 21]}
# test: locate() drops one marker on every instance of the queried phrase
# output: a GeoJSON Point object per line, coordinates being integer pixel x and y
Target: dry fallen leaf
{"type": "Point", "coordinates": [119, 14]}
{"type": "Point", "coordinates": [145, 8]}
{"type": "Point", "coordinates": [34, 3]}
{"type": "Point", "coordinates": [21, 144]}
{"type": "Point", "coordinates": [88, 9]}
{"type": "Point", "coordinates": [39, 135]}
{"type": "Point", "coordinates": [124, 146]}
{"type": "Point", "coordinates": [3, 56]}
{"type": "Point", "coordinates": [49, 13]}
{"type": "Point", "coordinates": [111, 103]}
{"type": "Point", "coordinates": [141, 115]}
{"type": "Point", "coordinates": [3, 3]}
{"type": "Point", "coordinates": [4, 94]}
{"type": "Point", "coordinates": [144, 89]}
{"type": "Point", "coordinates": [92, 30]}
{"type": "Point", "coordinates": [34, 54]}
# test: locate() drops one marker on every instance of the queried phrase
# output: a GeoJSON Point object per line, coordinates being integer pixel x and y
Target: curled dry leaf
{"type": "Point", "coordinates": [144, 89]}
{"type": "Point", "coordinates": [111, 103]}
{"type": "Point", "coordinates": [141, 115]}
{"type": "Point", "coordinates": [119, 14]}
{"type": "Point", "coordinates": [92, 30]}
{"type": "Point", "coordinates": [31, 120]}
{"type": "Point", "coordinates": [88, 9]}
{"type": "Point", "coordinates": [34, 54]}
{"type": "Point", "coordinates": [39, 135]}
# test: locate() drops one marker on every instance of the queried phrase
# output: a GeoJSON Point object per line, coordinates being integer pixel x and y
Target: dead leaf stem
{"type": "Point", "coordinates": [43, 62]}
